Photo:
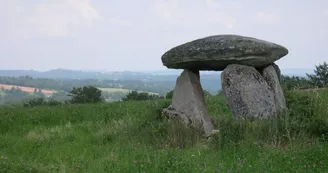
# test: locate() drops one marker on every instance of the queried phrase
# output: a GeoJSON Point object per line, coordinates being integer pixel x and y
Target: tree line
{"type": "Point", "coordinates": [88, 95]}
{"type": "Point", "coordinates": [68, 84]}
{"type": "Point", "coordinates": [317, 80]}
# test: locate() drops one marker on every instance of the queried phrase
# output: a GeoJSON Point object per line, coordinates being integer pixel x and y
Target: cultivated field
{"type": "Point", "coordinates": [133, 137]}
{"type": "Point", "coordinates": [126, 91]}
{"type": "Point", "coordinates": [26, 89]}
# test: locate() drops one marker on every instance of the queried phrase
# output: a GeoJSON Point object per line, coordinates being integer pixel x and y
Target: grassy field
{"type": "Point", "coordinates": [133, 137]}
{"type": "Point", "coordinates": [126, 91]}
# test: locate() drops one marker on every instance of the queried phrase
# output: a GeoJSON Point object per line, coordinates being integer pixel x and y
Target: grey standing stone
{"type": "Point", "coordinates": [276, 67]}
{"type": "Point", "coordinates": [271, 76]}
{"type": "Point", "coordinates": [218, 51]}
{"type": "Point", "coordinates": [247, 92]}
{"type": "Point", "coordinates": [188, 102]}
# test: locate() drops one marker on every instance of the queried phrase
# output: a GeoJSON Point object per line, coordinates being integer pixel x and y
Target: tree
{"type": "Point", "coordinates": [85, 94]}
{"type": "Point", "coordinates": [134, 95]}
{"type": "Point", "coordinates": [206, 93]}
{"type": "Point", "coordinates": [320, 76]}
{"type": "Point", "coordinates": [294, 82]}
{"type": "Point", "coordinates": [169, 95]}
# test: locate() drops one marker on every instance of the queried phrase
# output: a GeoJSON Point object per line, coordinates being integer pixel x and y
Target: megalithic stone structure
{"type": "Point", "coordinates": [250, 92]}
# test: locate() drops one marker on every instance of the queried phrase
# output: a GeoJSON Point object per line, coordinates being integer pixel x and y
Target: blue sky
{"type": "Point", "coordinates": [133, 35]}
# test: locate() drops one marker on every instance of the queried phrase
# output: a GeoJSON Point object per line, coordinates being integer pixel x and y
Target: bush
{"type": "Point", "coordinates": [41, 101]}
{"type": "Point", "coordinates": [54, 102]}
{"type": "Point", "coordinates": [169, 95]}
{"type": "Point", "coordinates": [35, 102]}
{"type": "Point", "coordinates": [307, 114]}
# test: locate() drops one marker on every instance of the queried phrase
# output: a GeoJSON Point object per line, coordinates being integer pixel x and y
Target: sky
{"type": "Point", "coordinates": [133, 35]}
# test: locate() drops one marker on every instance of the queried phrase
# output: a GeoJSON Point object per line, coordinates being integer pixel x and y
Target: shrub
{"type": "Point", "coordinates": [53, 102]}
{"type": "Point", "coordinates": [169, 95]}
{"type": "Point", "coordinates": [35, 102]}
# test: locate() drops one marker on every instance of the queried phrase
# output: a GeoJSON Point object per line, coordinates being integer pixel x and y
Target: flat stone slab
{"type": "Point", "coordinates": [218, 51]}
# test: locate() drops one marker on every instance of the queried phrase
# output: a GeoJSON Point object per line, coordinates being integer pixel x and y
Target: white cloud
{"type": "Point", "coordinates": [226, 6]}
{"type": "Point", "coordinates": [174, 13]}
{"type": "Point", "coordinates": [325, 12]}
{"type": "Point", "coordinates": [212, 4]}
{"type": "Point", "coordinates": [323, 34]}
{"type": "Point", "coordinates": [166, 10]}
{"type": "Point", "coordinates": [58, 19]}
{"type": "Point", "coordinates": [119, 22]}
{"type": "Point", "coordinates": [266, 17]}
{"type": "Point", "coordinates": [51, 18]}
{"type": "Point", "coordinates": [84, 9]}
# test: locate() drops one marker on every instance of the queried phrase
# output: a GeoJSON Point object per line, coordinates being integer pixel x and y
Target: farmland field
{"type": "Point", "coordinates": [125, 91]}
{"type": "Point", "coordinates": [26, 89]}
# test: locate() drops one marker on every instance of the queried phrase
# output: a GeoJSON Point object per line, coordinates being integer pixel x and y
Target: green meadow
{"type": "Point", "coordinates": [132, 136]}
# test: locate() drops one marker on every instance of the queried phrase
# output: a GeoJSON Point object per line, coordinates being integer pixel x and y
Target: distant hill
{"type": "Point", "coordinates": [211, 80]}
{"type": "Point", "coordinates": [121, 75]}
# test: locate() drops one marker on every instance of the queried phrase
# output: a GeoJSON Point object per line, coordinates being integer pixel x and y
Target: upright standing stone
{"type": "Point", "coordinates": [188, 102]}
{"type": "Point", "coordinates": [271, 76]}
{"type": "Point", "coordinates": [247, 92]}
{"type": "Point", "coordinates": [276, 67]}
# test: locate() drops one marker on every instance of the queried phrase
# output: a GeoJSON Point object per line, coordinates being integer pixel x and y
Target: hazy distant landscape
{"type": "Point", "coordinates": [168, 74]}
{"type": "Point", "coordinates": [18, 86]}
{"type": "Point", "coordinates": [165, 86]}
{"type": "Point", "coordinates": [114, 85]}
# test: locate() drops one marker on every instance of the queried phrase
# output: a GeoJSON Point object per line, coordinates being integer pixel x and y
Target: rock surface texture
{"type": "Point", "coordinates": [250, 78]}
{"type": "Point", "coordinates": [217, 52]}
{"type": "Point", "coordinates": [276, 67]}
{"type": "Point", "coordinates": [188, 102]}
{"type": "Point", "coordinates": [271, 77]}
{"type": "Point", "coordinates": [247, 92]}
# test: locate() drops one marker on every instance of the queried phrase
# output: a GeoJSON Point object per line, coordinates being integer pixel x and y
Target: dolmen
{"type": "Point", "coordinates": [249, 78]}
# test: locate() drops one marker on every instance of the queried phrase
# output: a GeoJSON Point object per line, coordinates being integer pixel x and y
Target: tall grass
{"type": "Point", "coordinates": [134, 137]}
